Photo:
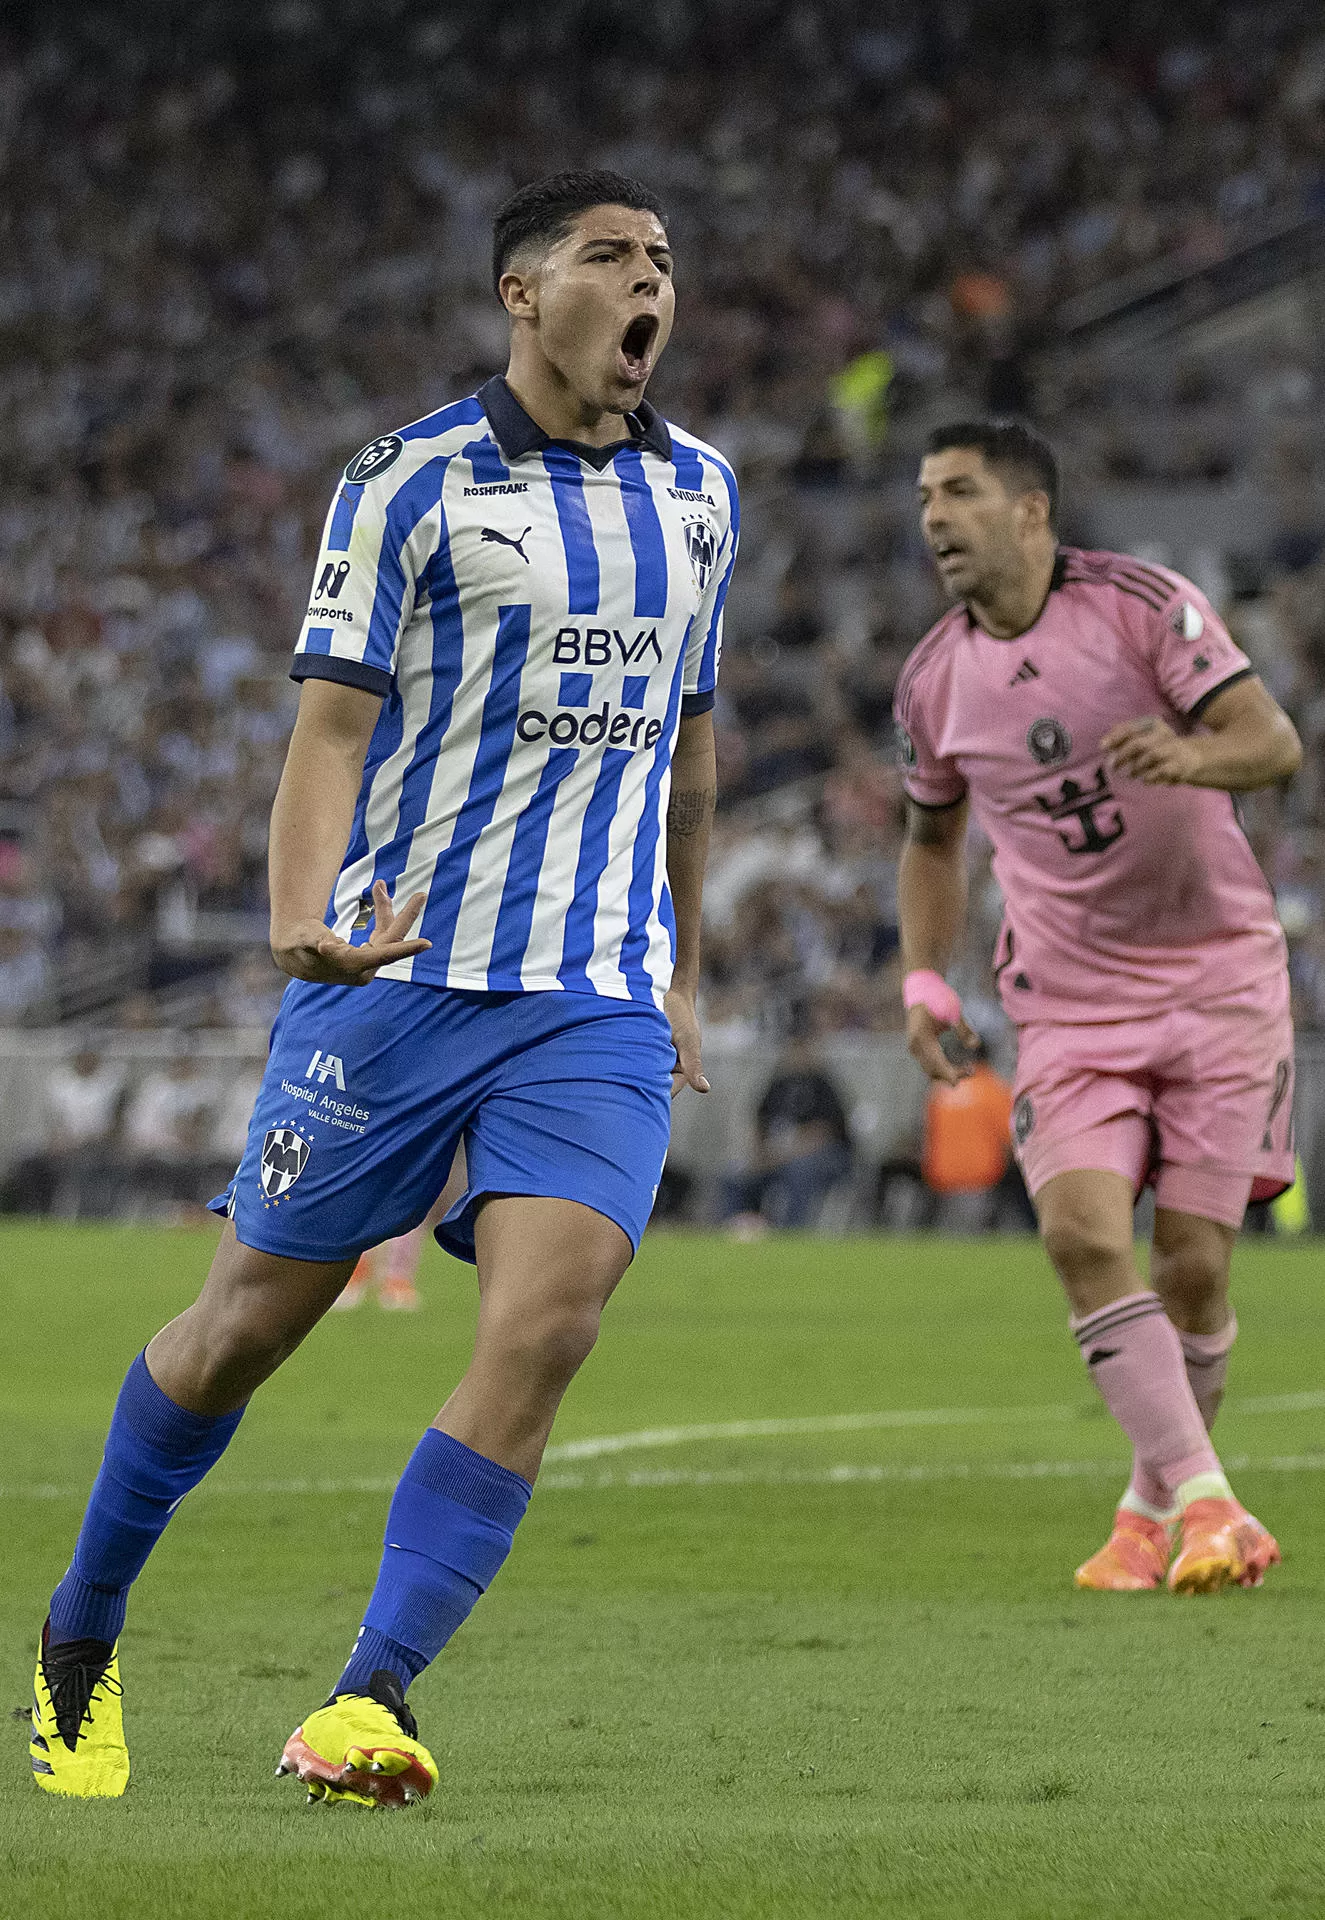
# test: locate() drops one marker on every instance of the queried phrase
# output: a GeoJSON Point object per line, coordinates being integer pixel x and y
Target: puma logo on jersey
{"type": "Point", "coordinates": [495, 538]}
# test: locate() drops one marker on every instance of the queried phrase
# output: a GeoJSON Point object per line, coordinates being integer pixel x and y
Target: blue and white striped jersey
{"type": "Point", "coordinates": [537, 617]}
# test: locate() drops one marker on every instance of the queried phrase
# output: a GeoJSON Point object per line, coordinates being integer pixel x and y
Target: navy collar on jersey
{"type": "Point", "coordinates": [1057, 579]}
{"type": "Point", "coordinates": [518, 434]}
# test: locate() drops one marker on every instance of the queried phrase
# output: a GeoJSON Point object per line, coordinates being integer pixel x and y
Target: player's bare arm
{"type": "Point", "coordinates": [310, 829]}
{"type": "Point", "coordinates": [689, 819]}
{"type": "Point", "coordinates": [931, 902]}
{"type": "Point", "coordinates": [1248, 742]}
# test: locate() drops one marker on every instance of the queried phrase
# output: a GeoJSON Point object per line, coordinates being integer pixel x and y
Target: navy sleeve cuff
{"type": "Point", "coordinates": [349, 673]}
{"type": "Point", "coordinates": [933, 806]}
{"type": "Point", "coordinates": [693, 703]}
{"type": "Point", "coordinates": [1243, 673]}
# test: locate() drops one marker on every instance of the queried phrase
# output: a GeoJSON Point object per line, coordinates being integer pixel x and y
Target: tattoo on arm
{"type": "Point", "coordinates": [688, 812]}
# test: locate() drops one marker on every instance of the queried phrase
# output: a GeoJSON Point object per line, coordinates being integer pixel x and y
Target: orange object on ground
{"type": "Point", "coordinates": [967, 1144]}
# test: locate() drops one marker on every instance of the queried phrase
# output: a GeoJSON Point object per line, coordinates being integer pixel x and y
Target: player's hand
{"type": "Point", "coordinates": [310, 951]}
{"type": "Point", "coordinates": [679, 1006]}
{"type": "Point", "coordinates": [1151, 752]}
{"type": "Point", "coordinates": [922, 1037]}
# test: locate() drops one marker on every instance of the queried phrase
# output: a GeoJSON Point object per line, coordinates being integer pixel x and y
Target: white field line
{"type": "Point", "coordinates": [772, 1429]}
{"type": "Point", "coordinates": [651, 1437]}
{"type": "Point", "coordinates": [849, 1475]}
{"type": "Point", "coordinates": [842, 1475]}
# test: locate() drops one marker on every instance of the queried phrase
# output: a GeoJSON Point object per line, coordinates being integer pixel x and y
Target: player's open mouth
{"type": "Point", "coordinates": [636, 351]}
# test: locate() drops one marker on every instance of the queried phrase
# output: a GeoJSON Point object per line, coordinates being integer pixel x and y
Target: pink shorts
{"type": "Point", "coordinates": [1198, 1101]}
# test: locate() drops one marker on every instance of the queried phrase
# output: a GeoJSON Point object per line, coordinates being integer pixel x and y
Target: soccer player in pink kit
{"type": "Point", "coordinates": [1096, 716]}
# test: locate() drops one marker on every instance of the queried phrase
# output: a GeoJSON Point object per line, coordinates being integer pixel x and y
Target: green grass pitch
{"type": "Point", "coordinates": [835, 1668]}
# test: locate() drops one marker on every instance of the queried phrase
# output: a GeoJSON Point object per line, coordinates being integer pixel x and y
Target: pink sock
{"type": "Point", "coordinates": [402, 1258]}
{"type": "Point", "coordinates": [1205, 1356]}
{"type": "Point", "coordinates": [1135, 1359]}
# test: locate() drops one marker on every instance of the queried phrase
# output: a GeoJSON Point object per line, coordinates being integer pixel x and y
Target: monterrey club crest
{"type": "Point", "coordinates": [1048, 742]}
{"type": "Point", "coordinates": [702, 546]}
{"type": "Point", "coordinates": [284, 1157]}
{"type": "Point", "coordinates": [375, 458]}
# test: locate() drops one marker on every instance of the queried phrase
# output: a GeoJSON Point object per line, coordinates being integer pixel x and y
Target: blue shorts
{"type": "Point", "coordinates": [369, 1090]}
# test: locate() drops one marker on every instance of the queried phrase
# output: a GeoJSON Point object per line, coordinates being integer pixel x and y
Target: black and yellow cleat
{"type": "Point", "coordinates": [362, 1748]}
{"type": "Point", "coordinates": [77, 1744]}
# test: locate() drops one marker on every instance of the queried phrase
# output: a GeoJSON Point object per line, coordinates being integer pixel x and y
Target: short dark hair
{"type": "Point", "coordinates": [545, 208]}
{"type": "Point", "coordinates": [1014, 450]}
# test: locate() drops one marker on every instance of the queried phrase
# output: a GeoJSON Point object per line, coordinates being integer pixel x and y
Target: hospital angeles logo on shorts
{"type": "Point", "coordinates": [284, 1157]}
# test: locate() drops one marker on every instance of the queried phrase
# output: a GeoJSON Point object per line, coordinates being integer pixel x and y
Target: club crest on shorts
{"type": "Point", "coordinates": [702, 546]}
{"type": "Point", "coordinates": [284, 1157]}
{"type": "Point", "coordinates": [1023, 1119]}
{"type": "Point", "coordinates": [1048, 742]}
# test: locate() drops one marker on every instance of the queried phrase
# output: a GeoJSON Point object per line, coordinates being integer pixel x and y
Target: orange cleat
{"type": "Point", "coordinates": [1132, 1559]}
{"type": "Point", "coordinates": [399, 1296]}
{"type": "Point", "coordinates": [1222, 1545]}
{"type": "Point", "coordinates": [1260, 1550]}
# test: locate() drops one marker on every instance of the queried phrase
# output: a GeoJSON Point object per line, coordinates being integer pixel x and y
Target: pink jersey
{"type": "Point", "coordinates": [1119, 898]}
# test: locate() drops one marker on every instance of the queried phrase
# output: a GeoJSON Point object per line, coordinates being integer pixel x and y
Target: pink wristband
{"type": "Point", "coordinates": [925, 988]}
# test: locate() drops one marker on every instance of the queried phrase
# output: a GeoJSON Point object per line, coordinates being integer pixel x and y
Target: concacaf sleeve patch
{"type": "Point", "coordinates": [375, 458]}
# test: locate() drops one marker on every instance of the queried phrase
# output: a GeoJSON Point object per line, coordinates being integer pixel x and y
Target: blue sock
{"type": "Point", "coordinates": [155, 1453]}
{"type": "Point", "coordinates": [449, 1527]}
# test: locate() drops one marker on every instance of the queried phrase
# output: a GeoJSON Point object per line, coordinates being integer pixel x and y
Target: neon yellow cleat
{"type": "Point", "coordinates": [1132, 1559]}
{"type": "Point", "coordinates": [77, 1744]}
{"type": "Point", "coordinates": [362, 1748]}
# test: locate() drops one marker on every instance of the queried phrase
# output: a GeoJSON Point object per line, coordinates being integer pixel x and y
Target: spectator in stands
{"type": "Point", "coordinates": [165, 1133]}
{"type": "Point", "coordinates": [243, 256]}
{"type": "Point", "coordinates": [227, 1133]}
{"type": "Point", "coordinates": [75, 1170]}
{"type": "Point", "coordinates": [802, 1148]}
{"type": "Point", "coordinates": [25, 974]}
{"type": "Point", "coordinates": [83, 1098]}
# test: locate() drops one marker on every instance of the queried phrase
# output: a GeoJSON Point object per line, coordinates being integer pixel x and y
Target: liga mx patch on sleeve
{"type": "Point", "coordinates": [284, 1156]}
{"type": "Point", "coordinates": [374, 459]}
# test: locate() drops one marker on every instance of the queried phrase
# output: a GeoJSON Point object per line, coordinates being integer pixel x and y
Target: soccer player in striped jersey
{"type": "Point", "coordinates": [1096, 717]}
{"type": "Point", "coordinates": [501, 778]}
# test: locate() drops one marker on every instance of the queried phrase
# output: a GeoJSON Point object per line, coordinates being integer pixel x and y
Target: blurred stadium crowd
{"type": "Point", "coordinates": [235, 249]}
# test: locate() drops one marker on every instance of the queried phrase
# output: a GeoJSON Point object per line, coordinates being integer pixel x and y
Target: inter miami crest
{"type": "Point", "coordinates": [1023, 1119]}
{"type": "Point", "coordinates": [1048, 742]}
{"type": "Point", "coordinates": [702, 546]}
{"type": "Point", "coordinates": [375, 458]}
{"type": "Point", "coordinates": [284, 1157]}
